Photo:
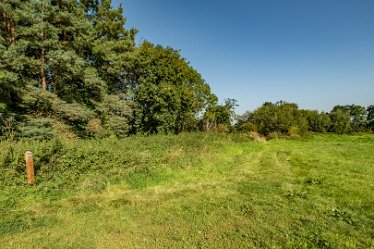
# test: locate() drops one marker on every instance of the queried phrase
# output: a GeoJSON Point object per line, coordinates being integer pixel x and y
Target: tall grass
{"type": "Point", "coordinates": [189, 191]}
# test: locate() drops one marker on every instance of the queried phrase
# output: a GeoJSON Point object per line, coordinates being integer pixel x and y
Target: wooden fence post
{"type": "Point", "coordinates": [29, 168]}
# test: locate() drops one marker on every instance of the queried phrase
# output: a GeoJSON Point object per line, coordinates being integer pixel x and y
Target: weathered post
{"type": "Point", "coordinates": [29, 168]}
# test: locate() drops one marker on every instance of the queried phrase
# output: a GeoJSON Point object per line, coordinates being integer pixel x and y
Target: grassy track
{"type": "Point", "coordinates": [190, 191]}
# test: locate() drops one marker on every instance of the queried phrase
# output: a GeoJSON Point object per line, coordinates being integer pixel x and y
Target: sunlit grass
{"type": "Point", "coordinates": [190, 191]}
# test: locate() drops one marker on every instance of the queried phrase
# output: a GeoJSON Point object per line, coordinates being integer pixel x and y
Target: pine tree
{"type": "Point", "coordinates": [55, 38]}
{"type": "Point", "coordinates": [113, 47]}
{"type": "Point", "coordinates": [9, 56]}
{"type": "Point", "coordinates": [8, 22]}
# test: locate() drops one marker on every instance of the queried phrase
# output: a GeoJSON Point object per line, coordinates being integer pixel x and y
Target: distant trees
{"type": "Point", "coordinates": [287, 118]}
{"type": "Point", "coordinates": [219, 117]}
{"type": "Point", "coordinates": [317, 121]}
{"type": "Point", "coordinates": [357, 116]}
{"type": "Point", "coordinates": [276, 117]}
{"type": "Point", "coordinates": [340, 121]}
{"type": "Point", "coordinates": [370, 118]}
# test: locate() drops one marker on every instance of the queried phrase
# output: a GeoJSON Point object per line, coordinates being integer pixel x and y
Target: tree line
{"type": "Point", "coordinates": [75, 63]}
{"type": "Point", "coordinates": [287, 119]}
{"type": "Point", "coordinates": [72, 67]}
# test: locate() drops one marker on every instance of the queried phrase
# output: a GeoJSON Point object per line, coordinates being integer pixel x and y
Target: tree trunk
{"type": "Point", "coordinates": [12, 31]}
{"type": "Point", "coordinates": [43, 75]}
{"type": "Point", "coordinates": [42, 54]}
{"type": "Point", "coordinates": [9, 27]}
{"type": "Point", "coordinates": [4, 24]}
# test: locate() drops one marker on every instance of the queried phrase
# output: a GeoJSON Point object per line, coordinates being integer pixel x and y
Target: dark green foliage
{"type": "Point", "coordinates": [370, 117]}
{"type": "Point", "coordinates": [340, 121]}
{"type": "Point", "coordinates": [37, 102]}
{"type": "Point", "coordinates": [317, 122]}
{"type": "Point", "coordinates": [113, 45]}
{"type": "Point", "coordinates": [168, 93]}
{"type": "Point", "coordinates": [358, 116]}
{"type": "Point", "coordinates": [36, 128]}
{"type": "Point", "coordinates": [90, 72]}
{"type": "Point", "coordinates": [278, 117]}
{"type": "Point", "coordinates": [219, 116]}
{"type": "Point", "coordinates": [119, 114]}
{"type": "Point", "coordinates": [9, 56]}
{"type": "Point", "coordinates": [285, 118]}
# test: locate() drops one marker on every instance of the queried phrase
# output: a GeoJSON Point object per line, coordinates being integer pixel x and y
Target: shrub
{"type": "Point", "coordinates": [274, 135]}
{"type": "Point", "coordinates": [37, 101]}
{"type": "Point", "coordinates": [340, 121]}
{"type": "Point", "coordinates": [222, 128]}
{"type": "Point", "coordinates": [3, 107]}
{"type": "Point", "coordinates": [255, 136]}
{"type": "Point", "coordinates": [36, 128]}
{"type": "Point", "coordinates": [248, 127]}
{"type": "Point", "coordinates": [40, 102]}
{"type": "Point", "coordinates": [294, 131]}
{"type": "Point", "coordinates": [76, 114]}
{"type": "Point", "coordinates": [119, 126]}
{"type": "Point", "coordinates": [95, 129]}
{"type": "Point", "coordinates": [7, 126]}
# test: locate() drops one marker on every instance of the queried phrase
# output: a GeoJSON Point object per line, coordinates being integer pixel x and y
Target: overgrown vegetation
{"type": "Point", "coordinates": [191, 190]}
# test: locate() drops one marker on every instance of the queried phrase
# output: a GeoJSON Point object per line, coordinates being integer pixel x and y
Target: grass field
{"type": "Point", "coordinates": [190, 191]}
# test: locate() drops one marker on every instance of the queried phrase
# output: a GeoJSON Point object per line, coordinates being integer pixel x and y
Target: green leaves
{"type": "Point", "coordinates": [340, 121]}
{"type": "Point", "coordinates": [168, 93]}
{"type": "Point", "coordinates": [357, 114]}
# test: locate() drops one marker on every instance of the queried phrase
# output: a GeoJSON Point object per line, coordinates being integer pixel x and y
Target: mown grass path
{"type": "Point", "coordinates": [190, 191]}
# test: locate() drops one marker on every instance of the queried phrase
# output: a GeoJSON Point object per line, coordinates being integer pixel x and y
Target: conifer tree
{"type": "Point", "coordinates": [8, 22]}
{"type": "Point", "coordinates": [113, 46]}
{"type": "Point", "coordinates": [54, 36]}
{"type": "Point", "coordinates": [9, 56]}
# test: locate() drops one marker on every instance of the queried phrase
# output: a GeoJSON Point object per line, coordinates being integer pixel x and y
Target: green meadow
{"type": "Point", "coordinates": [189, 191]}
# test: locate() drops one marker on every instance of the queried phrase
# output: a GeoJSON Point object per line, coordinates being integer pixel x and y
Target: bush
{"type": "Point", "coordinates": [119, 126]}
{"type": "Point", "coordinates": [42, 103]}
{"type": "Point", "coordinates": [248, 127]}
{"type": "Point", "coordinates": [36, 128]}
{"type": "Point", "coordinates": [255, 136]}
{"type": "Point", "coordinates": [274, 135]}
{"type": "Point", "coordinates": [7, 126]}
{"type": "Point", "coordinates": [294, 131]}
{"type": "Point", "coordinates": [94, 128]}
{"type": "Point", "coordinates": [76, 114]}
{"type": "Point", "coordinates": [222, 128]}
{"type": "Point", "coordinates": [116, 114]}
{"type": "Point", "coordinates": [340, 122]}
{"type": "Point", "coordinates": [3, 107]}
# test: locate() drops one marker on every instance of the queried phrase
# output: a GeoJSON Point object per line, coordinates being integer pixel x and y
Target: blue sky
{"type": "Point", "coordinates": [317, 53]}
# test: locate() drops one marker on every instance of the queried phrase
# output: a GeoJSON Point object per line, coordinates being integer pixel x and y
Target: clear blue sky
{"type": "Point", "coordinates": [317, 53]}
